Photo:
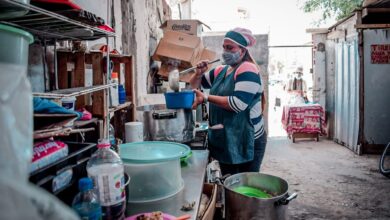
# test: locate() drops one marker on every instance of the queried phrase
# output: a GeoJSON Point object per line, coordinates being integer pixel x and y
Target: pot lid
{"type": "Point", "coordinates": [152, 151]}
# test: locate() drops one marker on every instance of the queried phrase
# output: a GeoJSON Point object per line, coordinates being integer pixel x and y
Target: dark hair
{"type": "Point", "coordinates": [247, 56]}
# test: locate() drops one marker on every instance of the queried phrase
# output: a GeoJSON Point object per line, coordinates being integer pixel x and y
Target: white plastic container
{"type": "Point", "coordinates": [134, 131]}
{"type": "Point", "coordinates": [69, 103]}
{"type": "Point", "coordinates": [154, 169]}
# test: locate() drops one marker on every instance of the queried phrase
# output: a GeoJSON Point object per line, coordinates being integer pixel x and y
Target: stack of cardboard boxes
{"type": "Point", "coordinates": [182, 45]}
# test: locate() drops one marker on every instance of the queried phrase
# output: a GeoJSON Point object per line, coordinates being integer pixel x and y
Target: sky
{"type": "Point", "coordinates": [285, 22]}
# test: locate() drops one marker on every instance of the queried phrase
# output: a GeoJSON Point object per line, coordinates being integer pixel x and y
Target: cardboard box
{"type": "Point", "coordinates": [193, 27]}
{"type": "Point", "coordinates": [181, 47]}
{"type": "Point", "coordinates": [206, 54]}
{"type": "Point", "coordinates": [211, 191]}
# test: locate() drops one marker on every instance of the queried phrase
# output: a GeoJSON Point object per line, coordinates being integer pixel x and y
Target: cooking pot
{"type": "Point", "coordinates": [239, 206]}
{"type": "Point", "coordinates": [162, 124]}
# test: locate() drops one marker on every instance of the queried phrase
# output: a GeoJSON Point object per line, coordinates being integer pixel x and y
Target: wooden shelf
{"type": "Point", "coordinates": [78, 124]}
{"type": "Point", "coordinates": [39, 134]}
{"type": "Point", "coordinates": [119, 107]}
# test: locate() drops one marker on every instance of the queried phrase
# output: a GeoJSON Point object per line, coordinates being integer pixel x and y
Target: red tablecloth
{"type": "Point", "coordinates": [305, 118]}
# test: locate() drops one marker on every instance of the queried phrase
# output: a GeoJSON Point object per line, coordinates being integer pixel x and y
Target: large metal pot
{"type": "Point", "coordinates": [239, 206]}
{"type": "Point", "coordinates": [162, 124]}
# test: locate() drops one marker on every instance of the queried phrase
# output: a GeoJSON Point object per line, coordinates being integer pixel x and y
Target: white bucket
{"type": "Point", "coordinates": [68, 103]}
{"type": "Point", "coordinates": [134, 131]}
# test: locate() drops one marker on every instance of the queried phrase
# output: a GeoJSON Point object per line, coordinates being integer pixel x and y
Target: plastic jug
{"type": "Point", "coordinates": [106, 169]}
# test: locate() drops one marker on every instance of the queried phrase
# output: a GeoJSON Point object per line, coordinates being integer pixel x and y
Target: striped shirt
{"type": "Point", "coordinates": [247, 86]}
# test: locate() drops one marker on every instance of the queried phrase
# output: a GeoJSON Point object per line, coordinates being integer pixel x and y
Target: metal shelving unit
{"type": "Point", "coordinates": [72, 92]}
{"type": "Point", "coordinates": [51, 26]}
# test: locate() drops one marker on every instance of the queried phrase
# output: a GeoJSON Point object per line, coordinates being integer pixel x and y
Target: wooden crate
{"type": "Point", "coordinates": [69, 77]}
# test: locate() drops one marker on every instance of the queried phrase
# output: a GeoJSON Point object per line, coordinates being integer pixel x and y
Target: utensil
{"type": "Point", "coordinates": [174, 76]}
{"type": "Point", "coordinates": [194, 67]}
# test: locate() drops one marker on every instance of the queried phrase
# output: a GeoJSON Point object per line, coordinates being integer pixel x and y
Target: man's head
{"type": "Point", "coordinates": [298, 72]}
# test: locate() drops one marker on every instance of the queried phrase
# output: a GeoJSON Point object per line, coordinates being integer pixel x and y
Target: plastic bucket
{"type": "Point", "coordinates": [9, 11]}
{"type": "Point", "coordinates": [154, 169]}
{"type": "Point", "coordinates": [69, 103]}
{"type": "Point", "coordinates": [176, 100]}
{"type": "Point", "coordinates": [15, 50]}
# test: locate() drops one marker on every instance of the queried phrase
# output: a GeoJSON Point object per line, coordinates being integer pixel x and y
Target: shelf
{"type": "Point", "coordinates": [59, 132]}
{"type": "Point", "coordinates": [119, 107]}
{"type": "Point", "coordinates": [50, 25]}
{"type": "Point", "coordinates": [78, 124]}
{"type": "Point", "coordinates": [72, 92]}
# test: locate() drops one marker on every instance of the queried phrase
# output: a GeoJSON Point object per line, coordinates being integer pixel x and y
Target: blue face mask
{"type": "Point", "coordinates": [231, 58]}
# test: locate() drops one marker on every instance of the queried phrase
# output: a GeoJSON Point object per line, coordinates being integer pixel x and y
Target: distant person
{"type": "Point", "coordinates": [237, 137]}
{"type": "Point", "coordinates": [297, 88]}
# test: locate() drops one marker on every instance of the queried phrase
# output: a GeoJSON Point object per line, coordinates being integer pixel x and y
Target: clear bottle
{"type": "Point", "coordinates": [86, 203]}
{"type": "Point", "coordinates": [106, 169]}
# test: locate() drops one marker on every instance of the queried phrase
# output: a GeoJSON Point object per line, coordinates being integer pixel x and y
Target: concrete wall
{"type": "Point", "coordinates": [330, 86]}
{"type": "Point", "coordinates": [324, 77]}
{"type": "Point", "coordinates": [141, 33]}
{"type": "Point", "coordinates": [259, 52]}
{"type": "Point", "coordinates": [376, 91]}
{"type": "Point", "coordinates": [319, 77]}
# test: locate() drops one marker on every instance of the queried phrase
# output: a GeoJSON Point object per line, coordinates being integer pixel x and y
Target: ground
{"type": "Point", "coordinates": [332, 182]}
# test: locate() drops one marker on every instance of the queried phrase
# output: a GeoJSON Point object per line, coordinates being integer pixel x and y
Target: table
{"type": "Point", "coordinates": [193, 175]}
{"type": "Point", "coordinates": [304, 121]}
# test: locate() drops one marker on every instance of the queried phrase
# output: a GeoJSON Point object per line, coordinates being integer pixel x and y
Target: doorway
{"type": "Point", "coordinates": [283, 61]}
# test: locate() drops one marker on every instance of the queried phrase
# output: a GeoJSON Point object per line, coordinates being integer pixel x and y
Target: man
{"type": "Point", "coordinates": [297, 88]}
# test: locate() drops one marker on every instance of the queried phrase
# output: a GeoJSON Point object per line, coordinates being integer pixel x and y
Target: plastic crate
{"type": "Point", "coordinates": [75, 162]}
{"type": "Point", "coordinates": [176, 100]}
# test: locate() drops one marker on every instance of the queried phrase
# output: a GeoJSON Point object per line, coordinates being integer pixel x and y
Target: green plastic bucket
{"type": "Point", "coordinates": [14, 48]}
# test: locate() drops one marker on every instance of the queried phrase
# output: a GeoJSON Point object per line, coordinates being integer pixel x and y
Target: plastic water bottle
{"type": "Point", "coordinates": [106, 169]}
{"type": "Point", "coordinates": [111, 136]}
{"type": "Point", "coordinates": [86, 203]}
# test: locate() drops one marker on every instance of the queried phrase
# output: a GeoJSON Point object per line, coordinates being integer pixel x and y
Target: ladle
{"type": "Point", "coordinates": [174, 76]}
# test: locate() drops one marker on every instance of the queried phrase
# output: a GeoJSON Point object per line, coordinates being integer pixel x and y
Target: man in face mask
{"type": "Point", "coordinates": [297, 88]}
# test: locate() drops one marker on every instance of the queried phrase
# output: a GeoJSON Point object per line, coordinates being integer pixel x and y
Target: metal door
{"type": "Point", "coordinates": [347, 95]}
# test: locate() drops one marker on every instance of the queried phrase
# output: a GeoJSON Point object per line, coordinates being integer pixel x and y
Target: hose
{"type": "Point", "coordinates": [382, 161]}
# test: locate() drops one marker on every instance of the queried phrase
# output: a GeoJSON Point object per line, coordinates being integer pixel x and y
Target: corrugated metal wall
{"type": "Point", "coordinates": [347, 95]}
{"type": "Point", "coordinates": [376, 91]}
